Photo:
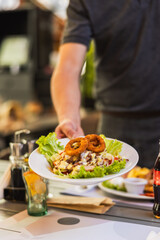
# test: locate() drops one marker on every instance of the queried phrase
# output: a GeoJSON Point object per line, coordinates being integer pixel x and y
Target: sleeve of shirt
{"type": "Point", "coordinates": [77, 28]}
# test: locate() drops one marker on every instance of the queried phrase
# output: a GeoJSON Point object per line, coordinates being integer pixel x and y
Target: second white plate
{"type": "Point", "coordinates": [123, 194]}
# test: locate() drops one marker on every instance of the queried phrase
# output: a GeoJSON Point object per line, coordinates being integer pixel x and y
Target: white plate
{"type": "Point", "coordinates": [39, 164]}
{"type": "Point", "coordinates": [123, 194]}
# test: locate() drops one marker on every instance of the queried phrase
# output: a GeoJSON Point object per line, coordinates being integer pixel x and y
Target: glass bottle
{"type": "Point", "coordinates": [16, 165]}
{"type": "Point", "coordinates": [156, 186]}
{"type": "Point", "coordinates": [17, 158]}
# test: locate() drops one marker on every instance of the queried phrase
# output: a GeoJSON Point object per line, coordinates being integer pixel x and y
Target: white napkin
{"type": "Point", "coordinates": [5, 178]}
{"type": "Point", "coordinates": [153, 236]}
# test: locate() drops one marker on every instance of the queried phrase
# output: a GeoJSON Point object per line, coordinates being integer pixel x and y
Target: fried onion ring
{"type": "Point", "coordinates": [76, 146]}
{"type": "Point", "coordinates": [95, 143]}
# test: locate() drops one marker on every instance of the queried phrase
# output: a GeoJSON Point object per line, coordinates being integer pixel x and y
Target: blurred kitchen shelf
{"type": "Point", "coordinates": [38, 126]}
{"type": "Point", "coordinates": [44, 124]}
{"type": "Point", "coordinates": [36, 25]}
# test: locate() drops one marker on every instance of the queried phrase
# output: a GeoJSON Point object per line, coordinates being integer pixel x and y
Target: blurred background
{"type": "Point", "coordinates": [30, 37]}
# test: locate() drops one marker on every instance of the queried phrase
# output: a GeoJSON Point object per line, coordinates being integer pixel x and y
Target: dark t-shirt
{"type": "Point", "coordinates": [127, 40]}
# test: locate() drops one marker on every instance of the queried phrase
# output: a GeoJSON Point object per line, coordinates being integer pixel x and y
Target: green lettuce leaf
{"type": "Point", "coordinates": [113, 146]}
{"type": "Point", "coordinates": [100, 171]}
{"type": "Point", "coordinates": [110, 185]}
{"type": "Point", "coordinates": [48, 145]}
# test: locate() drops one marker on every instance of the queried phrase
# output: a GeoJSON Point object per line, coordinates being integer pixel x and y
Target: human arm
{"type": "Point", "coordinates": [65, 91]}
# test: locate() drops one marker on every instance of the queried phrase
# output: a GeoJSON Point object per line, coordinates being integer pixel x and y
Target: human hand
{"type": "Point", "coordinates": [68, 128]}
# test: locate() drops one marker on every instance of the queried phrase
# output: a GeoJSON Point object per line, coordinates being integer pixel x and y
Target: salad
{"type": "Point", "coordinates": [116, 184]}
{"type": "Point", "coordinates": [87, 163]}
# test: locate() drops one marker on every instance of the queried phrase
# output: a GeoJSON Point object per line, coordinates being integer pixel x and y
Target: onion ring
{"type": "Point", "coordinates": [76, 146]}
{"type": "Point", "coordinates": [95, 143]}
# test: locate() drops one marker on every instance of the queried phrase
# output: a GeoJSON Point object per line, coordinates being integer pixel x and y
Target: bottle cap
{"type": "Point", "coordinates": [17, 135]}
{"type": "Point", "coordinates": [17, 147]}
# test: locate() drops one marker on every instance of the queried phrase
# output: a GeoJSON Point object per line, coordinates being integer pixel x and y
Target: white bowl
{"type": "Point", "coordinates": [135, 185]}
